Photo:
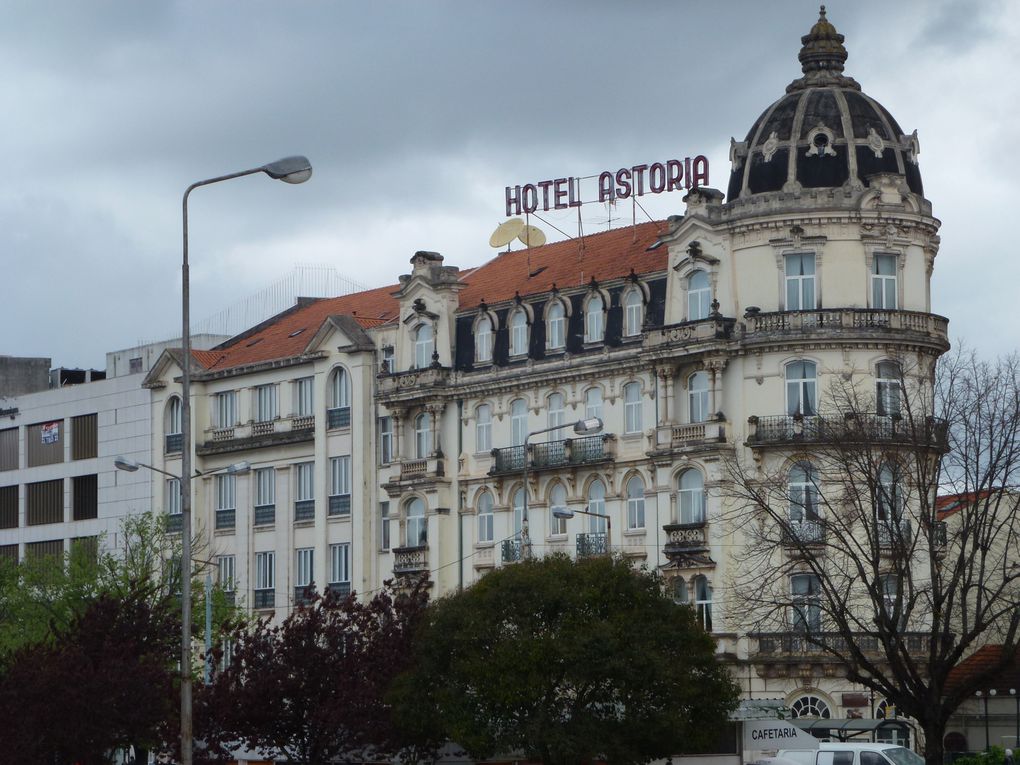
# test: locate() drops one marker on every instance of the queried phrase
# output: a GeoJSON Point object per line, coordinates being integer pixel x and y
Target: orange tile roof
{"type": "Point", "coordinates": [982, 660]}
{"type": "Point", "coordinates": [570, 263]}
{"type": "Point", "coordinates": [287, 334]}
{"type": "Point", "coordinates": [948, 504]}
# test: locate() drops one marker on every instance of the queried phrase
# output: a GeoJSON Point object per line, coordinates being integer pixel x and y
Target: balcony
{"type": "Point", "coordinates": [512, 550]}
{"type": "Point", "coordinates": [174, 442]}
{"type": "Point", "coordinates": [810, 532]}
{"type": "Point", "coordinates": [340, 504]}
{"type": "Point", "coordinates": [589, 450]}
{"type": "Point", "coordinates": [858, 428]}
{"type": "Point", "coordinates": [411, 560]}
{"type": "Point", "coordinates": [792, 644]}
{"type": "Point", "coordinates": [412, 385]}
{"type": "Point", "coordinates": [592, 543]}
{"type": "Point", "coordinates": [174, 522]}
{"type": "Point", "coordinates": [688, 436]}
{"type": "Point", "coordinates": [685, 538]}
{"type": "Point", "coordinates": [685, 334]}
{"type": "Point", "coordinates": [257, 435]}
{"type": "Point", "coordinates": [340, 589]}
{"type": "Point", "coordinates": [415, 471]}
{"type": "Point", "coordinates": [894, 532]}
{"type": "Point", "coordinates": [226, 518]}
{"type": "Point", "coordinates": [265, 515]}
{"type": "Point", "coordinates": [861, 322]}
{"type": "Point", "coordinates": [304, 510]}
{"type": "Point", "coordinates": [338, 417]}
{"type": "Point", "coordinates": [264, 598]}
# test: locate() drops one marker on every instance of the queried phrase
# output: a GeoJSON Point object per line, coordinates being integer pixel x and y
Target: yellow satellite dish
{"type": "Point", "coordinates": [532, 236]}
{"type": "Point", "coordinates": [505, 232]}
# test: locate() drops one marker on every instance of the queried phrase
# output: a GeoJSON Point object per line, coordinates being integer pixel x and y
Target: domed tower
{"type": "Point", "coordinates": [798, 315]}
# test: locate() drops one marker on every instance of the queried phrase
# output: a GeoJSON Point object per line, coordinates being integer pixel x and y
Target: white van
{"type": "Point", "coordinates": [836, 753]}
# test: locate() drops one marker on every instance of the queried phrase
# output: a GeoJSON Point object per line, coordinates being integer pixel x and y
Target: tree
{"type": "Point", "coordinates": [312, 688]}
{"type": "Point", "coordinates": [103, 682]}
{"type": "Point", "coordinates": [884, 535]}
{"type": "Point", "coordinates": [566, 662]}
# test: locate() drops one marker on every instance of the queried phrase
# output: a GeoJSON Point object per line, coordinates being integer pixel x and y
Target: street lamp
{"type": "Point", "coordinates": [290, 170]}
{"type": "Point", "coordinates": [567, 514]}
{"type": "Point", "coordinates": [1016, 698]}
{"type": "Point", "coordinates": [587, 427]}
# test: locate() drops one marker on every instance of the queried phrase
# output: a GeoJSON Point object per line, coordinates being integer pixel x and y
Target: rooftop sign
{"type": "Point", "coordinates": [636, 181]}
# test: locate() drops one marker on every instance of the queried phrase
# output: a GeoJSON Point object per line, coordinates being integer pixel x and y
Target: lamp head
{"type": "Point", "coordinates": [289, 169]}
{"type": "Point", "coordinates": [238, 468]}
{"type": "Point", "coordinates": [590, 426]}
{"type": "Point", "coordinates": [563, 513]}
{"type": "Point", "coordinates": [992, 692]}
{"type": "Point", "coordinates": [123, 463]}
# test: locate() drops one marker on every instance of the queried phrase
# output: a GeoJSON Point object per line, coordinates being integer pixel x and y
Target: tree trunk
{"type": "Point", "coordinates": [934, 733]}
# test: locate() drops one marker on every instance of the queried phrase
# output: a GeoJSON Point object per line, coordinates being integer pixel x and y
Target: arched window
{"type": "Point", "coordinates": [889, 499]}
{"type": "Point", "coordinates": [597, 504]}
{"type": "Point", "coordinates": [632, 312]}
{"type": "Point", "coordinates": [703, 601]}
{"type": "Point", "coordinates": [691, 497]}
{"type": "Point", "coordinates": [519, 333]}
{"type": "Point", "coordinates": [807, 608]}
{"type": "Point", "coordinates": [556, 415]}
{"type": "Point", "coordinates": [697, 397]}
{"type": "Point", "coordinates": [518, 503]}
{"type": "Point", "coordinates": [484, 505]}
{"type": "Point", "coordinates": [172, 428]}
{"type": "Point", "coordinates": [416, 530]}
{"type": "Point", "coordinates": [803, 491]}
{"type": "Point", "coordinates": [632, 408]}
{"type": "Point", "coordinates": [635, 503]}
{"type": "Point", "coordinates": [518, 421]}
{"type": "Point", "coordinates": [801, 378]}
{"type": "Point", "coordinates": [555, 326]}
{"type": "Point", "coordinates": [557, 501]}
{"type": "Point", "coordinates": [680, 594]}
{"type": "Point", "coordinates": [810, 706]}
{"type": "Point", "coordinates": [891, 605]}
{"type": "Point", "coordinates": [422, 435]}
{"type": "Point", "coordinates": [594, 326]}
{"type": "Point", "coordinates": [593, 403]}
{"type": "Point", "coordinates": [888, 384]}
{"type": "Point", "coordinates": [699, 296]}
{"type": "Point", "coordinates": [424, 346]}
{"type": "Point", "coordinates": [483, 428]}
{"type": "Point", "coordinates": [339, 389]}
{"type": "Point", "coordinates": [483, 340]}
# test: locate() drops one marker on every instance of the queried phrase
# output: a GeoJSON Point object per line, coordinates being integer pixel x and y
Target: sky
{"type": "Point", "coordinates": [416, 116]}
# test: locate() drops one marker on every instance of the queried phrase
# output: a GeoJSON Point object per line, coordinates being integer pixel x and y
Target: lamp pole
{"type": "Point", "coordinates": [290, 170]}
{"type": "Point", "coordinates": [606, 518]}
{"type": "Point", "coordinates": [589, 426]}
{"type": "Point", "coordinates": [1016, 738]}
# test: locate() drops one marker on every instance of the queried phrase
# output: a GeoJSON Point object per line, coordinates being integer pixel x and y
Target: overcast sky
{"type": "Point", "coordinates": [416, 115]}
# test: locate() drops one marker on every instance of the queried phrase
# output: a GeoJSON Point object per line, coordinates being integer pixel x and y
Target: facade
{"type": "Point", "coordinates": [386, 429]}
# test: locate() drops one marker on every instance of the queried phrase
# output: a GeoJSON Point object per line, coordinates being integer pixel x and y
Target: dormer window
{"type": "Point", "coordinates": [483, 340]}
{"type": "Point", "coordinates": [594, 320]}
{"type": "Point", "coordinates": [632, 312]}
{"type": "Point", "coordinates": [555, 326]}
{"type": "Point", "coordinates": [518, 333]}
{"type": "Point", "coordinates": [424, 346]}
{"type": "Point", "coordinates": [699, 296]}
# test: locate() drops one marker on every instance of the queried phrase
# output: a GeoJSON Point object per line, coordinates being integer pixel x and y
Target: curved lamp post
{"type": "Point", "coordinates": [290, 170]}
{"type": "Point", "coordinates": [568, 514]}
{"type": "Point", "coordinates": [588, 427]}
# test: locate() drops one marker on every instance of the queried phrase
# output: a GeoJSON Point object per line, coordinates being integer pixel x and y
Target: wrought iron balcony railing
{"type": "Point", "coordinates": [592, 543]}
{"type": "Point", "coordinates": [411, 560]}
{"type": "Point", "coordinates": [304, 510]}
{"type": "Point", "coordinates": [553, 454]}
{"type": "Point", "coordinates": [174, 522]}
{"type": "Point", "coordinates": [512, 550]}
{"type": "Point", "coordinates": [226, 518]}
{"type": "Point", "coordinates": [264, 598]}
{"type": "Point", "coordinates": [800, 643]}
{"type": "Point", "coordinates": [850, 428]}
{"type": "Point", "coordinates": [265, 515]}
{"type": "Point", "coordinates": [340, 504]}
{"type": "Point", "coordinates": [338, 417]}
{"type": "Point", "coordinates": [174, 443]}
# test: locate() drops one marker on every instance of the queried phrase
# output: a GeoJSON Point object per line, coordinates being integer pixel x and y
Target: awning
{"type": "Point", "coordinates": [844, 728]}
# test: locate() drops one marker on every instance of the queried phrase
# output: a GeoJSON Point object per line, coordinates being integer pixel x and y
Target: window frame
{"type": "Point", "coordinates": [304, 396]}
{"type": "Point", "coordinates": [801, 286]}
{"type": "Point", "coordinates": [594, 319]}
{"type": "Point", "coordinates": [226, 409]}
{"type": "Point", "coordinates": [483, 428]}
{"type": "Point", "coordinates": [698, 398]}
{"type": "Point", "coordinates": [517, 332]}
{"type": "Point", "coordinates": [557, 526]}
{"type": "Point", "coordinates": [422, 435]}
{"type": "Point", "coordinates": [424, 345]}
{"type": "Point", "coordinates": [695, 503]}
{"type": "Point", "coordinates": [304, 567]}
{"type": "Point", "coordinates": [806, 606]}
{"type": "Point", "coordinates": [632, 408]}
{"type": "Point", "coordinates": [484, 334]}
{"type": "Point", "coordinates": [884, 286]}
{"type": "Point", "coordinates": [304, 481]}
{"type": "Point", "coordinates": [888, 388]}
{"type": "Point", "coordinates": [633, 303]}
{"type": "Point", "coordinates": [635, 503]}
{"type": "Point", "coordinates": [416, 524]}
{"type": "Point", "coordinates": [699, 295]}
{"type": "Point", "coordinates": [593, 408]}
{"type": "Point", "coordinates": [340, 563]}
{"type": "Point", "coordinates": [556, 326]}
{"type": "Point", "coordinates": [806, 388]}
{"type": "Point", "coordinates": [267, 403]}
{"type": "Point", "coordinates": [484, 506]}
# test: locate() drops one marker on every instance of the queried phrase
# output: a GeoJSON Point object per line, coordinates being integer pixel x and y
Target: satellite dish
{"type": "Point", "coordinates": [532, 236]}
{"type": "Point", "coordinates": [505, 232]}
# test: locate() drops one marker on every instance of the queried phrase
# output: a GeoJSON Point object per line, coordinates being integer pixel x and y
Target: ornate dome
{"type": "Point", "coordinates": [824, 133]}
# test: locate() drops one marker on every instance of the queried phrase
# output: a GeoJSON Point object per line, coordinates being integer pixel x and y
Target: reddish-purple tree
{"type": "Point", "coordinates": [313, 687]}
{"type": "Point", "coordinates": [104, 682]}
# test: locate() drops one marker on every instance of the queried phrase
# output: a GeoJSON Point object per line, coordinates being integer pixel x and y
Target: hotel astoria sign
{"type": "Point", "coordinates": [635, 181]}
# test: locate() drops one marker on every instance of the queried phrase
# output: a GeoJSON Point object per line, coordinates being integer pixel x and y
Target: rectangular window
{"type": "Point", "coordinates": [51, 549]}
{"type": "Point", "coordinates": [265, 487]}
{"type": "Point", "coordinates": [340, 485]}
{"type": "Point", "coordinates": [304, 571]}
{"type": "Point", "coordinates": [9, 449]}
{"type": "Point", "coordinates": [384, 525]}
{"type": "Point", "coordinates": [303, 397]}
{"type": "Point", "coordinates": [386, 440]}
{"type": "Point", "coordinates": [800, 281]}
{"type": "Point", "coordinates": [266, 408]}
{"type": "Point", "coordinates": [225, 492]}
{"type": "Point", "coordinates": [883, 282]}
{"type": "Point", "coordinates": [85, 549]}
{"type": "Point", "coordinates": [44, 502]}
{"type": "Point", "coordinates": [84, 437]}
{"type": "Point", "coordinates": [84, 497]}
{"type": "Point", "coordinates": [9, 553]}
{"type": "Point", "coordinates": [305, 475]}
{"type": "Point", "coordinates": [265, 580]}
{"type": "Point", "coordinates": [172, 496]}
{"type": "Point", "coordinates": [135, 365]}
{"type": "Point", "coordinates": [340, 563]}
{"type": "Point", "coordinates": [45, 443]}
{"type": "Point", "coordinates": [226, 409]}
{"type": "Point", "coordinates": [225, 572]}
{"type": "Point", "coordinates": [8, 507]}
{"type": "Point", "coordinates": [632, 408]}
{"type": "Point", "coordinates": [483, 429]}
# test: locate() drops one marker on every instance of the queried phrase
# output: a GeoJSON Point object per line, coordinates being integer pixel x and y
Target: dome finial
{"type": "Point", "coordinates": [822, 47]}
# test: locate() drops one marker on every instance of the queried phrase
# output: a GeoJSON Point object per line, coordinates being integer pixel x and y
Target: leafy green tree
{"type": "Point", "coordinates": [566, 662]}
